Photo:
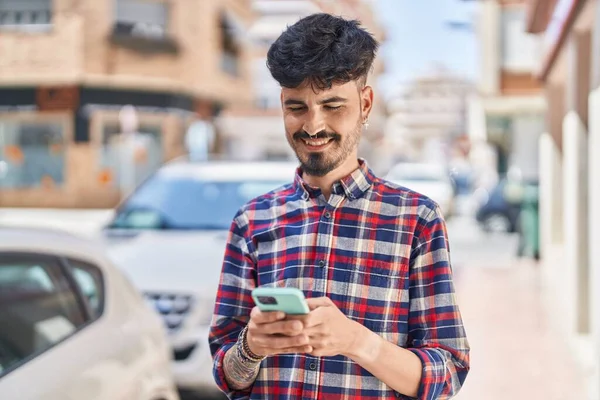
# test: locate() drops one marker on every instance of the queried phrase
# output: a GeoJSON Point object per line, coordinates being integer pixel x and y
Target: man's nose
{"type": "Point", "coordinates": [314, 123]}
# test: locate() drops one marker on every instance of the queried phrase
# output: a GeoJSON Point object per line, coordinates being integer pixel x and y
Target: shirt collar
{"type": "Point", "coordinates": [352, 186]}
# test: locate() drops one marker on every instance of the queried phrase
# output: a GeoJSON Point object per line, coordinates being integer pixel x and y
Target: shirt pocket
{"type": "Point", "coordinates": [378, 295]}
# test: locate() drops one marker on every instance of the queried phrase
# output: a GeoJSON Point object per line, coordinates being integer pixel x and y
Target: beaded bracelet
{"type": "Point", "coordinates": [244, 350]}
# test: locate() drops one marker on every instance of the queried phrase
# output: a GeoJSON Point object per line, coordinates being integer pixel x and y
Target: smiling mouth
{"type": "Point", "coordinates": [317, 142]}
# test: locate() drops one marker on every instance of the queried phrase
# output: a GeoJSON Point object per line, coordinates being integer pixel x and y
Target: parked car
{"type": "Point", "coordinates": [431, 180]}
{"type": "Point", "coordinates": [72, 326]}
{"type": "Point", "coordinates": [499, 209]}
{"type": "Point", "coordinates": [170, 235]}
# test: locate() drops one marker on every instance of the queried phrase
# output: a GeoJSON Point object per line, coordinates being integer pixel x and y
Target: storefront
{"type": "Point", "coordinates": [58, 145]}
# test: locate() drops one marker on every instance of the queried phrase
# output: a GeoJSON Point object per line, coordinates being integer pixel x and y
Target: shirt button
{"type": "Point", "coordinates": [327, 214]}
{"type": "Point", "coordinates": [312, 366]}
{"type": "Point", "coordinates": [321, 263]}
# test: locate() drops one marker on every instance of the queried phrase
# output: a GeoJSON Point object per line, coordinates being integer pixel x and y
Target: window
{"type": "Point", "coordinates": [142, 26]}
{"type": "Point", "coordinates": [25, 13]}
{"type": "Point", "coordinates": [38, 307]}
{"type": "Point", "coordinates": [32, 154]}
{"type": "Point", "coordinates": [144, 150]}
{"type": "Point", "coordinates": [230, 50]}
{"type": "Point", "coordinates": [520, 50]}
{"type": "Point", "coordinates": [143, 18]}
{"type": "Point", "coordinates": [89, 280]}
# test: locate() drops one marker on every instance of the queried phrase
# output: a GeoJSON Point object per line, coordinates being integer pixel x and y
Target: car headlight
{"type": "Point", "coordinates": [174, 308]}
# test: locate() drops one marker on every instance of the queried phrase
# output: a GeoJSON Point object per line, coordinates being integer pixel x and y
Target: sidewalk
{"type": "Point", "coordinates": [515, 353]}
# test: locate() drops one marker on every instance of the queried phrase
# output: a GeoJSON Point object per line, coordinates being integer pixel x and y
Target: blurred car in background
{"type": "Point", "coordinates": [499, 208]}
{"type": "Point", "coordinates": [72, 326]}
{"type": "Point", "coordinates": [431, 180]}
{"type": "Point", "coordinates": [169, 237]}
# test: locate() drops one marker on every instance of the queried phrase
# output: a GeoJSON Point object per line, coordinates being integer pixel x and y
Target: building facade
{"type": "Point", "coordinates": [506, 116]}
{"type": "Point", "coordinates": [570, 172]}
{"type": "Point", "coordinates": [427, 115]}
{"type": "Point", "coordinates": [69, 67]}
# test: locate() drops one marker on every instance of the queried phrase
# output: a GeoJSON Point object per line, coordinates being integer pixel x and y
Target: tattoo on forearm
{"type": "Point", "coordinates": [239, 374]}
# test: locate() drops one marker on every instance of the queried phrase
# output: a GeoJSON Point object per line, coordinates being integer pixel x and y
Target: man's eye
{"type": "Point", "coordinates": [333, 108]}
{"type": "Point", "coordinates": [296, 109]}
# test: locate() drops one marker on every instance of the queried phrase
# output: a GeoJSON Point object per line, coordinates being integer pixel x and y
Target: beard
{"type": "Point", "coordinates": [320, 163]}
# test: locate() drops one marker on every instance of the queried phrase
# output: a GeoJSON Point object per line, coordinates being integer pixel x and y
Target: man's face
{"type": "Point", "coordinates": [324, 127]}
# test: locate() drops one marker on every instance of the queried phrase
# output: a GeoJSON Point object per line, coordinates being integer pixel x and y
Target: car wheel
{"type": "Point", "coordinates": [496, 223]}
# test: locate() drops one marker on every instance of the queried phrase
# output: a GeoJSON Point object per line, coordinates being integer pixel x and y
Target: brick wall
{"type": "Point", "coordinates": [77, 49]}
{"type": "Point", "coordinates": [48, 57]}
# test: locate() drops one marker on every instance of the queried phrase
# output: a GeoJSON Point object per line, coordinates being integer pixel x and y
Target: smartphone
{"type": "Point", "coordinates": [289, 300]}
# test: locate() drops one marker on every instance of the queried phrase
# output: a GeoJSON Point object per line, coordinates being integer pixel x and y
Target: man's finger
{"type": "Point", "coordinates": [289, 328]}
{"type": "Point", "coordinates": [265, 317]}
{"type": "Point", "coordinates": [314, 331]}
{"type": "Point", "coordinates": [280, 342]}
{"type": "Point", "coordinates": [295, 350]}
{"type": "Point", "coordinates": [318, 302]}
{"type": "Point", "coordinates": [316, 317]}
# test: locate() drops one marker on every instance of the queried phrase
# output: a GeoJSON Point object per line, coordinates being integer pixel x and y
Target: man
{"type": "Point", "coordinates": [371, 257]}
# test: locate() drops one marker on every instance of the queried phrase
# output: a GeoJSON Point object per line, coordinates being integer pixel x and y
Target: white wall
{"type": "Point", "coordinates": [527, 129]}
{"type": "Point", "coordinates": [594, 233]}
{"type": "Point", "coordinates": [576, 272]}
{"type": "Point", "coordinates": [550, 207]}
{"type": "Point", "coordinates": [488, 30]}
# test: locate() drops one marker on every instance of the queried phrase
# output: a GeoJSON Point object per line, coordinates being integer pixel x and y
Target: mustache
{"type": "Point", "coordinates": [320, 135]}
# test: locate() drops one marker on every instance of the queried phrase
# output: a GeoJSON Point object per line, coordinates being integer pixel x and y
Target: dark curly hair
{"type": "Point", "coordinates": [322, 49]}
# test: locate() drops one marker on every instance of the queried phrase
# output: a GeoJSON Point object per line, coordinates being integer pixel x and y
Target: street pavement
{"type": "Point", "coordinates": [515, 352]}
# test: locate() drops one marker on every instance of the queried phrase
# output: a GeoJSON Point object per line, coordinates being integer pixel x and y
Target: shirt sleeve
{"type": "Point", "coordinates": [233, 302]}
{"type": "Point", "coordinates": [436, 332]}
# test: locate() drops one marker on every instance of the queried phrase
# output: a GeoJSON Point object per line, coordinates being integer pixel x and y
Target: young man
{"type": "Point", "coordinates": [372, 258]}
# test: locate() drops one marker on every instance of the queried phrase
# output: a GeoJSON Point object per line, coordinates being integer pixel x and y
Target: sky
{"type": "Point", "coordinates": [418, 36]}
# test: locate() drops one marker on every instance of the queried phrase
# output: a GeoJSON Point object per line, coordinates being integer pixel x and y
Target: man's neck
{"type": "Point", "coordinates": [326, 182]}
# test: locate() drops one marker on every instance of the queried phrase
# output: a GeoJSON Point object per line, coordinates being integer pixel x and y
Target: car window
{"type": "Point", "coordinates": [182, 202]}
{"type": "Point", "coordinates": [38, 308]}
{"type": "Point", "coordinates": [89, 280]}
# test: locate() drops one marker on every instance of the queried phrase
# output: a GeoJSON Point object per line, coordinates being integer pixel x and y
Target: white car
{"type": "Point", "coordinates": [431, 180]}
{"type": "Point", "coordinates": [72, 326]}
{"type": "Point", "coordinates": [170, 235]}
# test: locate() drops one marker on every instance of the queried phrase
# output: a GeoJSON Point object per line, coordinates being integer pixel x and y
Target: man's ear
{"type": "Point", "coordinates": [366, 100]}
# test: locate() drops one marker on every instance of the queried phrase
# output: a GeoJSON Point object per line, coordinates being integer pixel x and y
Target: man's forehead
{"type": "Point", "coordinates": [308, 90]}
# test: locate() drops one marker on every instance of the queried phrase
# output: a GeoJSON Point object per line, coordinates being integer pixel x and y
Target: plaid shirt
{"type": "Point", "coordinates": [378, 251]}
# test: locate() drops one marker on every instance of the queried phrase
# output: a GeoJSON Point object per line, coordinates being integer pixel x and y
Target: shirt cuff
{"type": "Point", "coordinates": [433, 378]}
{"type": "Point", "coordinates": [219, 375]}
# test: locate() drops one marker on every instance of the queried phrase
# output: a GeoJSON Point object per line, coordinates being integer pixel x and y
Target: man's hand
{"type": "Point", "coordinates": [330, 332]}
{"type": "Point", "coordinates": [269, 334]}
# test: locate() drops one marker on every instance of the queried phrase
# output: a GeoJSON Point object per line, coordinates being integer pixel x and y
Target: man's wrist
{"type": "Point", "coordinates": [365, 344]}
{"type": "Point", "coordinates": [244, 348]}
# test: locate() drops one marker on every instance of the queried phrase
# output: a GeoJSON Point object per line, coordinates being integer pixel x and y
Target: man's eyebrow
{"type": "Point", "coordinates": [294, 102]}
{"type": "Point", "coordinates": [334, 99]}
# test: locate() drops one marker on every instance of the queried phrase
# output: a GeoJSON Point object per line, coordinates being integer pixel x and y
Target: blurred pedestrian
{"type": "Point", "coordinates": [372, 258]}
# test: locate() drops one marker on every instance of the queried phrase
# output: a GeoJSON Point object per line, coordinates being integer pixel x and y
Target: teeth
{"type": "Point", "coordinates": [319, 142]}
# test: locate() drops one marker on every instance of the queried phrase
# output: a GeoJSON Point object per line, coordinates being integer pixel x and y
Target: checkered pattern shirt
{"type": "Point", "coordinates": [378, 251]}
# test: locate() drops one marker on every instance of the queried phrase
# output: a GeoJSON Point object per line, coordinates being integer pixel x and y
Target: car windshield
{"type": "Point", "coordinates": [168, 202]}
